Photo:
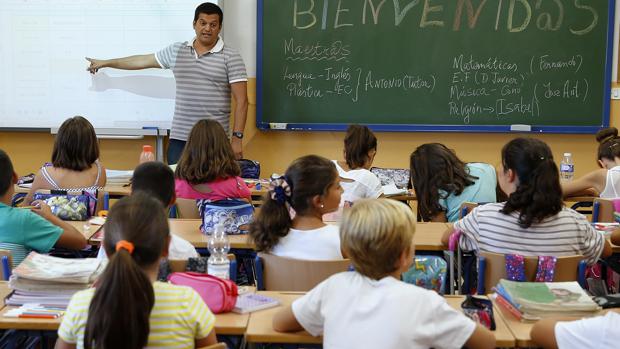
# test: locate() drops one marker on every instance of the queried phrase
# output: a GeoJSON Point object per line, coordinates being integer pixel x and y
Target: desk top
{"type": "Point", "coordinates": [189, 229]}
{"type": "Point", "coordinates": [228, 324]}
{"type": "Point", "coordinates": [521, 330]}
{"type": "Point", "coordinates": [260, 329]}
{"type": "Point", "coordinates": [426, 238]}
{"type": "Point", "coordinates": [87, 229]}
{"type": "Point", "coordinates": [503, 337]}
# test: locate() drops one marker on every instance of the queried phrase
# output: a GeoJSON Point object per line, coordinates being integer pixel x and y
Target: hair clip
{"type": "Point", "coordinates": [279, 189]}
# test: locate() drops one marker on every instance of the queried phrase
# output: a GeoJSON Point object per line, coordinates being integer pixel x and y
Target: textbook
{"type": "Point", "coordinates": [118, 177]}
{"type": "Point", "coordinates": [51, 281]}
{"type": "Point", "coordinates": [535, 300]}
{"type": "Point", "coordinates": [249, 302]}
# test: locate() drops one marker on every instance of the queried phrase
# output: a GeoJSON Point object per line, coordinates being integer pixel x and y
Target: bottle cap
{"type": "Point", "coordinates": [568, 154]}
{"type": "Point", "coordinates": [147, 148]}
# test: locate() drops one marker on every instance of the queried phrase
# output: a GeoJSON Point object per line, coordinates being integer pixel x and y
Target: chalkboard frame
{"type": "Point", "coordinates": [262, 124]}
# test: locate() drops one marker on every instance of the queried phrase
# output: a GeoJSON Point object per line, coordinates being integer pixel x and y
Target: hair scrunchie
{"type": "Point", "coordinates": [124, 244]}
{"type": "Point", "coordinates": [279, 189]}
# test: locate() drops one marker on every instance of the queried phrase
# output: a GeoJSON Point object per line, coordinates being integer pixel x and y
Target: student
{"type": "Point", "coordinates": [157, 180]}
{"type": "Point", "coordinates": [606, 180]}
{"type": "Point", "coordinates": [24, 230]}
{"type": "Point", "coordinates": [75, 166]}
{"type": "Point", "coordinates": [360, 148]}
{"type": "Point", "coordinates": [128, 308]}
{"type": "Point", "coordinates": [207, 168]}
{"type": "Point", "coordinates": [310, 187]}
{"type": "Point", "coordinates": [371, 307]}
{"type": "Point", "coordinates": [442, 182]}
{"type": "Point", "coordinates": [533, 222]}
{"type": "Point", "coordinates": [601, 332]}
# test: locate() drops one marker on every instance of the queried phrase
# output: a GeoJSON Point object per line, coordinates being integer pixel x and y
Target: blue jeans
{"type": "Point", "coordinates": [175, 148]}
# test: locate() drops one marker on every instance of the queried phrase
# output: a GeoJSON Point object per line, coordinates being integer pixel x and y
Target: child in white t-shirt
{"type": "Point", "coordinates": [601, 332]}
{"type": "Point", "coordinates": [309, 189]}
{"type": "Point", "coordinates": [157, 179]}
{"type": "Point", "coordinates": [371, 307]}
{"type": "Point", "coordinates": [360, 148]}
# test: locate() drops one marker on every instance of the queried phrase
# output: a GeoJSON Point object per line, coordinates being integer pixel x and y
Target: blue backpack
{"type": "Point", "coordinates": [428, 272]}
{"type": "Point", "coordinates": [234, 214]}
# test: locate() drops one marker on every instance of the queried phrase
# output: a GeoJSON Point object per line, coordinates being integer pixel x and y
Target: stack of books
{"type": "Point", "coordinates": [531, 301]}
{"type": "Point", "coordinates": [116, 177]}
{"type": "Point", "coordinates": [51, 281]}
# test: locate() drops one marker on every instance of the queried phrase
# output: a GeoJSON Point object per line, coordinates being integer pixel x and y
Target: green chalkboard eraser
{"type": "Point", "coordinates": [277, 125]}
{"type": "Point", "coordinates": [520, 128]}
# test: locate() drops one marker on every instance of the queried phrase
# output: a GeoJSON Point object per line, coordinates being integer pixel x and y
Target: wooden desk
{"type": "Point", "coordinates": [117, 190]}
{"type": "Point", "coordinates": [225, 324]}
{"type": "Point", "coordinates": [87, 229]}
{"type": "Point", "coordinates": [427, 236]}
{"type": "Point", "coordinates": [521, 330]}
{"type": "Point", "coordinates": [189, 229]}
{"type": "Point", "coordinates": [260, 329]}
{"type": "Point", "coordinates": [503, 337]}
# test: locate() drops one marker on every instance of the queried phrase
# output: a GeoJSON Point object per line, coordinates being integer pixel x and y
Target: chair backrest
{"type": "Point", "coordinates": [186, 208]}
{"type": "Point", "coordinates": [7, 264]}
{"type": "Point", "coordinates": [566, 269]}
{"type": "Point", "coordinates": [288, 274]}
{"type": "Point", "coordinates": [603, 210]}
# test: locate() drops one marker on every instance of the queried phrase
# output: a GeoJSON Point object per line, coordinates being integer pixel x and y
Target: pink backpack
{"type": "Point", "coordinates": [220, 295]}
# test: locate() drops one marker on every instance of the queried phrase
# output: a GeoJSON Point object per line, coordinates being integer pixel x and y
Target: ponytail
{"type": "Point", "coordinates": [136, 236]}
{"type": "Point", "coordinates": [539, 194]}
{"type": "Point", "coordinates": [305, 178]}
{"type": "Point", "coordinates": [121, 306]}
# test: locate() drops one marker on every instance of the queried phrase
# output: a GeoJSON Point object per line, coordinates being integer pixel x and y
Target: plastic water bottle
{"type": "Point", "coordinates": [218, 263]}
{"type": "Point", "coordinates": [147, 154]}
{"type": "Point", "coordinates": [567, 168]}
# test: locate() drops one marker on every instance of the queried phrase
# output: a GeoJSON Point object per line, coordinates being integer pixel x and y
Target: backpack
{"type": "Point", "coordinates": [428, 272]}
{"type": "Point", "coordinates": [250, 169]}
{"type": "Point", "coordinates": [70, 207]}
{"type": "Point", "coordinates": [234, 214]}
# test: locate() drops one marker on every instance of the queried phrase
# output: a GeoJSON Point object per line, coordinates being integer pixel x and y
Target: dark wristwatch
{"type": "Point", "coordinates": [238, 135]}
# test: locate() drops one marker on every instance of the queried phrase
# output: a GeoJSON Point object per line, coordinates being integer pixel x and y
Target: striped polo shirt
{"type": "Point", "coordinates": [567, 233]}
{"type": "Point", "coordinates": [178, 318]}
{"type": "Point", "coordinates": [202, 83]}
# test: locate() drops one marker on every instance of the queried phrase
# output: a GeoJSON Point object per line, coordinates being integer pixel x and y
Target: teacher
{"type": "Point", "coordinates": [206, 71]}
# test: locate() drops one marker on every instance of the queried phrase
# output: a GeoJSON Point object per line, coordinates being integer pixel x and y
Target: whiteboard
{"type": "Point", "coordinates": [43, 77]}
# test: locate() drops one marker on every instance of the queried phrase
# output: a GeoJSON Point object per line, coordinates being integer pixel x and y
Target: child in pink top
{"type": "Point", "coordinates": [207, 168]}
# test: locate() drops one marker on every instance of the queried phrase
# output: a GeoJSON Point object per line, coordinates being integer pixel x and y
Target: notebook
{"type": "Point", "coordinates": [252, 302]}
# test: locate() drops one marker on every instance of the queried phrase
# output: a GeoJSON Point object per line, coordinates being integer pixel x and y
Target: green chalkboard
{"type": "Point", "coordinates": [472, 65]}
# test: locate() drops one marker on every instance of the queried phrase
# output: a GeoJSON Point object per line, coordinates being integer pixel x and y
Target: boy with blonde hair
{"type": "Point", "coordinates": [371, 307]}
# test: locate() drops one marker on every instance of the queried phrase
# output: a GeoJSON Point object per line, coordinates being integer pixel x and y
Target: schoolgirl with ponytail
{"type": "Point", "coordinates": [533, 221]}
{"type": "Point", "coordinates": [127, 308]}
{"type": "Point", "coordinates": [606, 180]}
{"type": "Point", "coordinates": [289, 223]}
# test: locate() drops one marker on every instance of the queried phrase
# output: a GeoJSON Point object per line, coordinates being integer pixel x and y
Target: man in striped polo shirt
{"type": "Point", "coordinates": [206, 72]}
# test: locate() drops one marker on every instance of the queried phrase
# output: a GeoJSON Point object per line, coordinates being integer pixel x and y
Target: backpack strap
{"type": "Point", "coordinates": [515, 267]}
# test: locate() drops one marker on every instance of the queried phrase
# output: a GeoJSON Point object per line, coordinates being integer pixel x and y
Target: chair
{"type": "Point", "coordinates": [186, 208]}
{"type": "Point", "coordinates": [7, 263]}
{"type": "Point", "coordinates": [180, 265]}
{"type": "Point", "coordinates": [492, 267]}
{"type": "Point", "coordinates": [274, 273]}
{"type": "Point", "coordinates": [215, 346]}
{"type": "Point", "coordinates": [455, 257]}
{"type": "Point", "coordinates": [603, 210]}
